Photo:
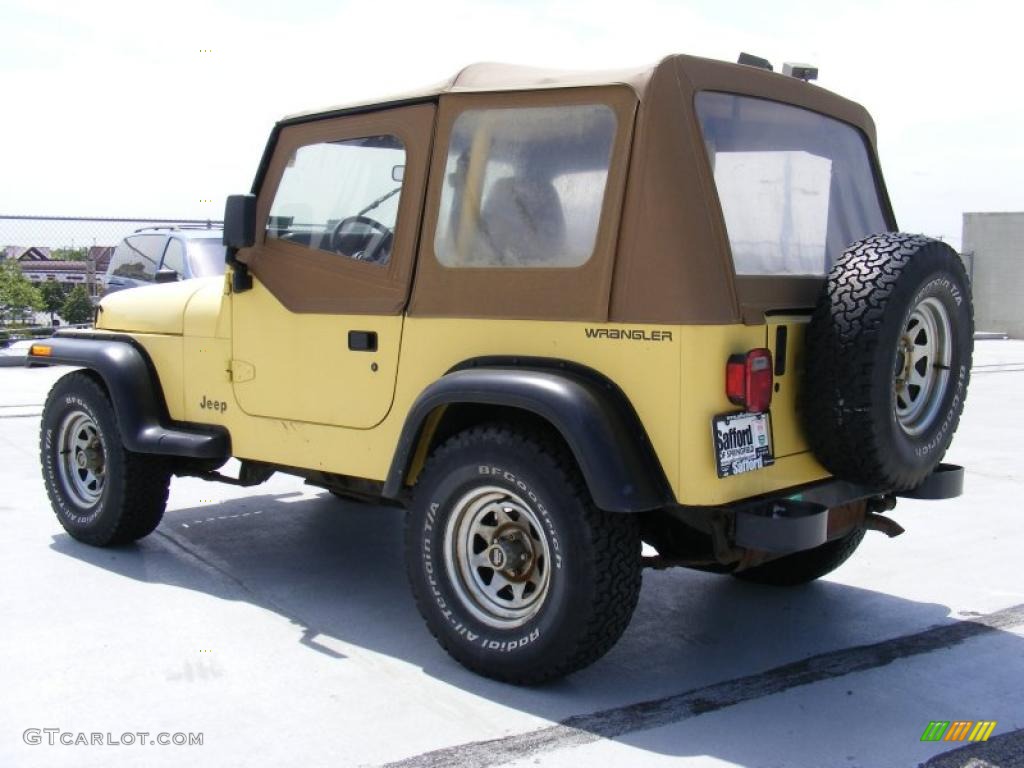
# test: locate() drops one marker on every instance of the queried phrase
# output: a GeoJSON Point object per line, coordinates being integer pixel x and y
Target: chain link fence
{"type": "Point", "coordinates": [78, 232]}
{"type": "Point", "coordinates": [72, 250]}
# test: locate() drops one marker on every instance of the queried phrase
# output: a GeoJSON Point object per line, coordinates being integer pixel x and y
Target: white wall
{"type": "Point", "coordinates": [993, 247]}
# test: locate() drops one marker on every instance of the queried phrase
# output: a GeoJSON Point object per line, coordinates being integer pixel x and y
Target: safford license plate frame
{"type": "Point", "coordinates": [742, 441]}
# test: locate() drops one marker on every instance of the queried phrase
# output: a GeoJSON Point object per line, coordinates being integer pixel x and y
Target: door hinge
{"type": "Point", "coordinates": [239, 371]}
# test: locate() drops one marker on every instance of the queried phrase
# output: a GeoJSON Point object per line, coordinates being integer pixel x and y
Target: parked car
{"type": "Point", "coordinates": [553, 316]}
{"type": "Point", "coordinates": [165, 255]}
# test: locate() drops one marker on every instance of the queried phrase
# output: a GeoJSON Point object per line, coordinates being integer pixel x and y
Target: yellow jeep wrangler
{"type": "Point", "coordinates": [556, 316]}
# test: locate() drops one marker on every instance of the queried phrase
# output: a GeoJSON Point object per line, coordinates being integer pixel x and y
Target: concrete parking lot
{"type": "Point", "coordinates": [276, 622]}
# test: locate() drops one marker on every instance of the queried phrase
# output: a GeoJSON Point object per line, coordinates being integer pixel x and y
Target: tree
{"type": "Point", "coordinates": [53, 295]}
{"type": "Point", "coordinates": [17, 295]}
{"type": "Point", "coordinates": [69, 254]}
{"type": "Point", "coordinates": [77, 307]}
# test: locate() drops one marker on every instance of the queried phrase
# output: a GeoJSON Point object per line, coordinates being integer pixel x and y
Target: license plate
{"type": "Point", "coordinates": [742, 442]}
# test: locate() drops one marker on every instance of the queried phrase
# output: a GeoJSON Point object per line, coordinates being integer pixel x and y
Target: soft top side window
{"type": "Point", "coordinates": [524, 187]}
{"type": "Point", "coordinates": [341, 197]}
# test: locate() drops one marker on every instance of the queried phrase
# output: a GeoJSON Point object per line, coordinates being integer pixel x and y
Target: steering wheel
{"type": "Point", "coordinates": [377, 244]}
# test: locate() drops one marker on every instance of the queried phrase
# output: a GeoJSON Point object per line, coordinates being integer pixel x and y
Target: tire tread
{"type": "Point", "coordinates": [845, 330]}
{"type": "Point", "coordinates": [141, 494]}
{"type": "Point", "coordinates": [616, 568]}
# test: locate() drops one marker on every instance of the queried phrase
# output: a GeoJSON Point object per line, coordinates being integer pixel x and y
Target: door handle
{"type": "Point", "coordinates": [362, 341]}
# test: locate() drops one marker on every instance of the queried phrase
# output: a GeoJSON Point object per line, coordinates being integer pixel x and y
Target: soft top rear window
{"type": "Point", "coordinates": [796, 187]}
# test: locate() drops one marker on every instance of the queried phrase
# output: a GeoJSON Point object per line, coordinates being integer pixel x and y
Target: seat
{"type": "Point", "coordinates": [523, 222]}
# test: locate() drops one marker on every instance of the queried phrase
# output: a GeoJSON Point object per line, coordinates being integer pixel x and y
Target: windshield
{"type": "Point", "coordinates": [206, 257]}
{"type": "Point", "coordinates": [796, 187]}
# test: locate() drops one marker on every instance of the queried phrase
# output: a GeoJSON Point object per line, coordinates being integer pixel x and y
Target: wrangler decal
{"type": "Point", "coordinates": [628, 334]}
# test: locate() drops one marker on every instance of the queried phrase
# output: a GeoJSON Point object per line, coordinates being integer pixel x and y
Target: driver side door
{"type": "Point", "coordinates": [317, 337]}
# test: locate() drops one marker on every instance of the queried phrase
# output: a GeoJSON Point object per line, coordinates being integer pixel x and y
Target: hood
{"type": "Point", "coordinates": [150, 309]}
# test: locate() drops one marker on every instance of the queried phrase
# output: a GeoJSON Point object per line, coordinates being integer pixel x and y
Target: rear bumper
{"type": "Point", "coordinates": [946, 482]}
{"type": "Point", "coordinates": [800, 520]}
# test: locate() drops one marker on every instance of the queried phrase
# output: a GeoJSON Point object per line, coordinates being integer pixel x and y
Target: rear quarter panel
{"type": "Point", "coordinates": [704, 352]}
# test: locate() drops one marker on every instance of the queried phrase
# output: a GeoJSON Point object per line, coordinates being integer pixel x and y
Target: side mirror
{"type": "Point", "coordinates": [165, 275]}
{"type": "Point", "coordinates": [240, 221]}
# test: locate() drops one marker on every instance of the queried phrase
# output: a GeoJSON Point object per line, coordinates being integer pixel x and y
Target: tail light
{"type": "Point", "coordinates": [748, 380]}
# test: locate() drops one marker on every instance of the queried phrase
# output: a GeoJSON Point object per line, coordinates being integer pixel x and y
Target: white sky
{"type": "Point", "coordinates": [108, 108]}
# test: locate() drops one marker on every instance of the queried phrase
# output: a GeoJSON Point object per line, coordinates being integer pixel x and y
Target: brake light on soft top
{"type": "Point", "coordinates": [749, 380]}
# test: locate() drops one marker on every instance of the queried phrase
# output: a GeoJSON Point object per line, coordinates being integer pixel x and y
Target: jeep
{"type": "Point", "coordinates": [556, 317]}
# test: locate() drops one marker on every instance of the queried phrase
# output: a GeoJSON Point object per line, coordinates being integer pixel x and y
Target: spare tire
{"type": "Point", "coordinates": [888, 360]}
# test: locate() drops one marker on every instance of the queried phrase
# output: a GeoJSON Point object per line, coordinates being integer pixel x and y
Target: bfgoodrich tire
{"type": "Point", "coordinates": [102, 493]}
{"type": "Point", "coordinates": [888, 360]}
{"type": "Point", "coordinates": [517, 574]}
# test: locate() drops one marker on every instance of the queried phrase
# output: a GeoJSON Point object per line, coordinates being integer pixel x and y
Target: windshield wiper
{"type": "Point", "coordinates": [379, 200]}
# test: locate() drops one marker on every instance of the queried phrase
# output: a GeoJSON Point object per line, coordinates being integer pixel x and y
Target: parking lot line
{"type": "Point", "coordinates": [646, 715]}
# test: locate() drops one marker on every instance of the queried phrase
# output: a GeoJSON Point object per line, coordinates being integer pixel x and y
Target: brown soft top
{"type": "Point", "coordinates": [662, 254]}
{"type": "Point", "coordinates": [492, 77]}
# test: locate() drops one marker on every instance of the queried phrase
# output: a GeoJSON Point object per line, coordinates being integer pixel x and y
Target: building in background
{"type": "Point", "coordinates": [993, 249]}
{"type": "Point", "coordinates": [38, 267]}
{"type": "Point", "coordinates": [22, 254]}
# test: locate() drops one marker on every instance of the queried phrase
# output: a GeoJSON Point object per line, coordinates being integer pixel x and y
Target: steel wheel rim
{"type": "Point", "coordinates": [497, 557]}
{"type": "Point", "coordinates": [923, 358]}
{"type": "Point", "coordinates": [81, 459]}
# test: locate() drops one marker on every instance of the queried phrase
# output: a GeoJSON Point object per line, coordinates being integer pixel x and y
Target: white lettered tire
{"type": "Point", "coordinates": [888, 360]}
{"type": "Point", "coordinates": [102, 493]}
{"type": "Point", "coordinates": [517, 574]}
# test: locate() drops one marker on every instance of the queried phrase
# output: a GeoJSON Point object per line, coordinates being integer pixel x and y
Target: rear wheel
{"type": "Point", "coordinates": [517, 574]}
{"type": "Point", "coordinates": [802, 567]}
{"type": "Point", "coordinates": [102, 493]}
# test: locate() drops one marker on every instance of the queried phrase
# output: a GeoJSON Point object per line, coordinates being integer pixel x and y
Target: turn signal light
{"type": "Point", "coordinates": [40, 350]}
{"type": "Point", "coordinates": [749, 380]}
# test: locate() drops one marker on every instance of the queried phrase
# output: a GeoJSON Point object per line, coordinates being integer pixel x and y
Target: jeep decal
{"type": "Point", "coordinates": [213, 405]}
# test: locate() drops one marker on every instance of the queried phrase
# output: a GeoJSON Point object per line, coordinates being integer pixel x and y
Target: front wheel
{"type": "Point", "coordinates": [103, 494]}
{"type": "Point", "coordinates": [517, 574]}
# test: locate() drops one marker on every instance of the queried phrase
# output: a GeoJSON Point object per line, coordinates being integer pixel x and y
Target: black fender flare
{"type": "Point", "coordinates": [593, 416]}
{"type": "Point", "coordinates": [136, 395]}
